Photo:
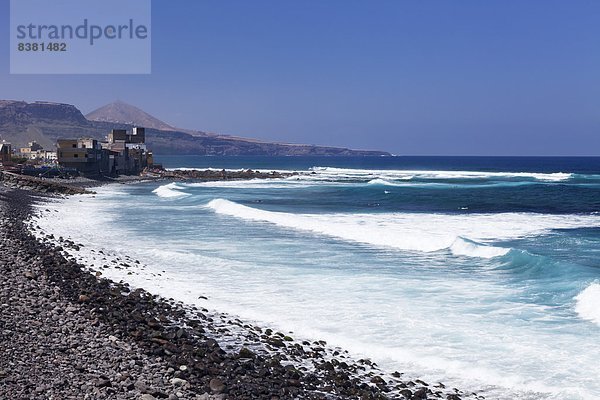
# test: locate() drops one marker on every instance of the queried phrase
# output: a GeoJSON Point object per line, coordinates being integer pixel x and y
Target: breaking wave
{"type": "Point", "coordinates": [349, 173]}
{"type": "Point", "coordinates": [416, 232]}
{"type": "Point", "coordinates": [588, 303]}
{"type": "Point", "coordinates": [469, 248]}
{"type": "Point", "coordinates": [171, 190]}
{"type": "Point", "coordinates": [462, 234]}
{"type": "Point", "coordinates": [379, 181]}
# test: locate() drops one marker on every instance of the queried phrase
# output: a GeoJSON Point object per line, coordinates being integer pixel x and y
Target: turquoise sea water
{"type": "Point", "coordinates": [480, 272]}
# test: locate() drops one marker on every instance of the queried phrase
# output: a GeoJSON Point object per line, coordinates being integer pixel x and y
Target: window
{"type": "Point", "coordinates": [76, 155]}
{"type": "Point", "coordinates": [74, 145]}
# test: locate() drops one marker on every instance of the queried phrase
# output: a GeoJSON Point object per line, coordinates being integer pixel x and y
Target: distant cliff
{"type": "Point", "coordinates": [44, 122]}
{"type": "Point", "coordinates": [22, 122]}
{"type": "Point", "coordinates": [22, 113]}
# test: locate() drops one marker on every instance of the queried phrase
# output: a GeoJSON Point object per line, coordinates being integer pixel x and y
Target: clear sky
{"type": "Point", "coordinates": [459, 77]}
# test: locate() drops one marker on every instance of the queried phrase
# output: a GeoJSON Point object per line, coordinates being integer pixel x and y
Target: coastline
{"type": "Point", "coordinates": [84, 185]}
{"type": "Point", "coordinates": [176, 347]}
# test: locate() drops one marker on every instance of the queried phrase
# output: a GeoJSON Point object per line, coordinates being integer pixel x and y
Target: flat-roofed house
{"type": "Point", "coordinates": [122, 153]}
{"type": "Point", "coordinates": [129, 150]}
{"type": "Point", "coordinates": [31, 150]}
{"type": "Point", "coordinates": [86, 155]}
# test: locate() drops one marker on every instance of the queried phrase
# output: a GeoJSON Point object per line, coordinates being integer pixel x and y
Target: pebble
{"type": "Point", "coordinates": [216, 385]}
{"type": "Point", "coordinates": [178, 382]}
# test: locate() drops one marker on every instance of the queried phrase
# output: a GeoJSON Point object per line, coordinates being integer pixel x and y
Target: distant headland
{"type": "Point", "coordinates": [45, 122]}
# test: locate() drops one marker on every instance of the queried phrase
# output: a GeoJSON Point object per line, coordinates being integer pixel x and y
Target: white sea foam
{"type": "Point", "coordinates": [348, 173]}
{"type": "Point", "coordinates": [399, 174]}
{"type": "Point", "coordinates": [171, 190]}
{"type": "Point", "coordinates": [414, 231]}
{"type": "Point", "coordinates": [204, 169]}
{"type": "Point", "coordinates": [588, 303]}
{"type": "Point", "coordinates": [397, 178]}
{"type": "Point", "coordinates": [383, 182]}
{"type": "Point", "coordinates": [226, 169]}
{"type": "Point", "coordinates": [464, 247]}
{"type": "Point", "coordinates": [275, 183]}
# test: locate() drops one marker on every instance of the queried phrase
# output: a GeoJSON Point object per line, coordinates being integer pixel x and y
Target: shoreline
{"type": "Point", "coordinates": [83, 185]}
{"type": "Point", "coordinates": [179, 342]}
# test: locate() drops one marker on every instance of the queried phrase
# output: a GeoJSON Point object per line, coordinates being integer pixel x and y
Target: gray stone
{"type": "Point", "coordinates": [216, 385]}
{"type": "Point", "coordinates": [141, 386]}
{"type": "Point", "coordinates": [178, 382]}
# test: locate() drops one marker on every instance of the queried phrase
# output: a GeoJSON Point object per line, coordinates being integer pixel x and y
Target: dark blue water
{"type": "Point", "coordinates": [579, 193]}
{"type": "Point", "coordinates": [579, 165]}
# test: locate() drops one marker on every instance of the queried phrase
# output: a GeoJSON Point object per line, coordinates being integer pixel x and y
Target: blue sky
{"type": "Point", "coordinates": [410, 77]}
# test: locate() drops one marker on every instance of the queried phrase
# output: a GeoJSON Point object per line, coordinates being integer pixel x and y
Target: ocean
{"type": "Point", "coordinates": [481, 273]}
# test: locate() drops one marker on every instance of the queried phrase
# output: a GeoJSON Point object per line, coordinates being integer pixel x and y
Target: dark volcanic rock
{"type": "Point", "coordinates": [216, 385]}
{"type": "Point", "coordinates": [224, 175]}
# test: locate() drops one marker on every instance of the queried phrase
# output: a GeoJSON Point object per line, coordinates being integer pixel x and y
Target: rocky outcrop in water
{"type": "Point", "coordinates": [224, 175]}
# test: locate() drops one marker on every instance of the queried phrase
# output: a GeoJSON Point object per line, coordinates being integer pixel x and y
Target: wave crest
{"type": "Point", "coordinates": [349, 173]}
{"type": "Point", "coordinates": [382, 182]}
{"type": "Point", "coordinates": [588, 303]}
{"type": "Point", "coordinates": [395, 231]}
{"type": "Point", "coordinates": [169, 191]}
{"type": "Point", "coordinates": [469, 248]}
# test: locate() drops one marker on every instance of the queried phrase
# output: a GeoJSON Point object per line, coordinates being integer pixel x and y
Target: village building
{"type": "Point", "coordinates": [48, 156]}
{"type": "Point", "coordinates": [83, 154]}
{"type": "Point", "coordinates": [30, 152]}
{"type": "Point", "coordinates": [123, 153]}
{"type": "Point", "coordinates": [35, 152]}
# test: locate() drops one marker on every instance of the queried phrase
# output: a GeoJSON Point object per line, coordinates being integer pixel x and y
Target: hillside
{"type": "Point", "coordinates": [123, 113]}
{"type": "Point", "coordinates": [45, 122]}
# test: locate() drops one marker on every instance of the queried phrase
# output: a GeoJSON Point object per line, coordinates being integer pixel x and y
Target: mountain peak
{"type": "Point", "coordinates": [123, 113]}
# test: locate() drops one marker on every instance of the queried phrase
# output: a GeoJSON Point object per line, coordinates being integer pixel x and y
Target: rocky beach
{"type": "Point", "coordinates": [68, 333]}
